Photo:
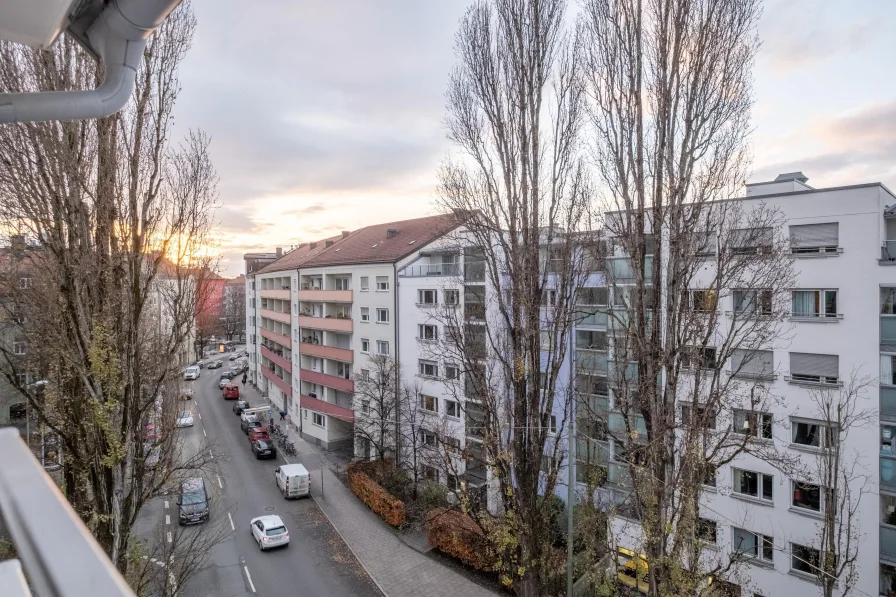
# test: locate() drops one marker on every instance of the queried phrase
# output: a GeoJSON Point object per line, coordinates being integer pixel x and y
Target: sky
{"type": "Point", "coordinates": [328, 116]}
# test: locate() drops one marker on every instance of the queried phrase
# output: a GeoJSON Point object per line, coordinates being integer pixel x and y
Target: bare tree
{"type": "Point", "coordinates": [420, 438]}
{"type": "Point", "coordinates": [515, 108]}
{"type": "Point", "coordinates": [121, 217]}
{"type": "Point", "coordinates": [376, 401]}
{"type": "Point", "coordinates": [669, 87]}
{"type": "Point", "coordinates": [234, 314]}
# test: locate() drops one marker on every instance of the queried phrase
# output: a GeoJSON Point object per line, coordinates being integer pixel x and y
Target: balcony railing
{"type": "Point", "coordinates": [618, 474]}
{"type": "Point", "coordinates": [888, 329]}
{"type": "Point", "coordinates": [431, 269]}
{"type": "Point", "coordinates": [346, 355]}
{"type": "Point", "coordinates": [888, 251]}
{"type": "Point", "coordinates": [278, 338]}
{"type": "Point", "coordinates": [59, 555]}
{"type": "Point", "coordinates": [888, 543]}
{"type": "Point", "coordinates": [325, 296]}
{"type": "Point", "coordinates": [280, 293]}
{"type": "Point", "coordinates": [888, 403]}
{"type": "Point", "coordinates": [333, 324]}
{"type": "Point", "coordinates": [328, 408]}
{"type": "Point", "coordinates": [279, 359]}
{"type": "Point", "coordinates": [325, 379]}
{"type": "Point", "coordinates": [277, 380]}
{"type": "Point", "coordinates": [592, 317]}
{"type": "Point", "coordinates": [616, 424]}
{"type": "Point", "coordinates": [276, 315]}
{"type": "Point", "coordinates": [592, 362]}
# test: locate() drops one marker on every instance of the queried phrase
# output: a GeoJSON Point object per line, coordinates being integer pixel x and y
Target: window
{"type": "Point", "coordinates": [695, 357]}
{"type": "Point", "coordinates": [753, 545]}
{"type": "Point", "coordinates": [452, 372]}
{"type": "Point", "coordinates": [452, 482]}
{"type": "Point", "coordinates": [428, 438]}
{"type": "Point", "coordinates": [382, 315]}
{"type": "Point", "coordinates": [599, 296]}
{"type": "Point", "coordinates": [427, 332]}
{"type": "Point", "coordinates": [552, 424]}
{"type": "Point", "coordinates": [452, 297]}
{"type": "Point", "coordinates": [365, 374]}
{"type": "Point", "coordinates": [806, 496]}
{"type": "Point", "coordinates": [814, 368]}
{"type": "Point", "coordinates": [813, 434]}
{"type": "Point", "coordinates": [18, 348]}
{"type": "Point", "coordinates": [24, 283]}
{"type": "Point", "coordinates": [382, 283]}
{"type": "Point", "coordinates": [428, 369]}
{"type": "Point", "coordinates": [452, 444]}
{"type": "Point", "coordinates": [753, 302]}
{"type": "Point", "coordinates": [710, 474]}
{"type": "Point", "coordinates": [751, 241]}
{"type": "Point", "coordinates": [814, 304]}
{"type": "Point", "coordinates": [704, 300]}
{"type": "Point", "coordinates": [590, 339]}
{"type": "Point", "coordinates": [804, 559]}
{"type": "Point", "coordinates": [343, 370]}
{"type": "Point", "coordinates": [430, 403]}
{"type": "Point", "coordinates": [382, 347]}
{"type": "Point", "coordinates": [814, 238]}
{"type": "Point", "coordinates": [698, 415]}
{"type": "Point", "coordinates": [430, 473]}
{"type": "Point", "coordinates": [22, 378]}
{"type": "Point", "coordinates": [365, 314]}
{"type": "Point", "coordinates": [752, 363]}
{"type": "Point", "coordinates": [707, 530]}
{"type": "Point", "coordinates": [319, 420]}
{"type": "Point", "coordinates": [752, 423]}
{"type": "Point", "coordinates": [549, 298]}
{"type": "Point", "coordinates": [365, 283]}
{"type": "Point", "coordinates": [365, 345]}
{"type": "Point", "coordinates": [452, 408]}
{"type": "Point", "coordinates": [343, 283]}
{"type": "Point", "coordinates": [452, 334]}
{"type": "Point", "coordinates": [705, 243]}
{"type": "Point", "coordinates": [365, 407]}
{"type": "Point", "coordinates": [752, 484]}
{"type": "Point", "coordinates": [427, 297]}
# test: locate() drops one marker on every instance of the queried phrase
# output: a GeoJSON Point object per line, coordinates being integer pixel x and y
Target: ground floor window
{"type": "Point", "coordinates": [319, 420]}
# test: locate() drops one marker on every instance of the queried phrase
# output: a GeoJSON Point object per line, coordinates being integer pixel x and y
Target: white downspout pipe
{"type": "Point", "coordinates": [119, 37]}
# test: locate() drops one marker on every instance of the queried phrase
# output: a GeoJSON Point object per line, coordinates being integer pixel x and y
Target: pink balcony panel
{"type": "Point", "coordinates": [285, 387]}
{"type": "Point", "coordinates": [275, 294]}
{"type": "Point", "coordinates": [325, 323]}
{"type": "Point", "coordinates": [331, 381]}
{"type": "Point", "coordinates": [278, 338]}
{"type": "Point", "coordinates": [328, 408]}
{"type": "Point", "coordinates": [326, 296]}
{"type": "Point", "coordinates": [281, 317]}
{"type": "Point", "coordinates": [267, 352]}
{"type": "Point", "coordinates": [346, 355]}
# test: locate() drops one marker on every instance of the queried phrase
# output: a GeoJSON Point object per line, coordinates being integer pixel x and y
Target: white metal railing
{"type": "Point", "coordinates": [431, 269]}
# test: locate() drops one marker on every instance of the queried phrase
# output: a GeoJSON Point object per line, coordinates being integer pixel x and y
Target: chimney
{"type": "Point", "coordinates": [345, 233]}
{"type": "Point", "coordinates": [330, 243]}
{"type": "Point", "coordinates": [391, 233]}
{"type": "Point", "coordinates": [279, 252]}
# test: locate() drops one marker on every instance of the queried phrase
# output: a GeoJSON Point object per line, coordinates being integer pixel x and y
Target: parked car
{"type": "Point", "coordinates": [233, 357]}
{"type": "Point", "coordinates": [293, 480]}
{"type": "Point", "coordinates": [225, 379]}
{"type": "Point", "coordinates": [247, 425]}
{"type": "Point", "coordinates": [185, 419]}
{"type": "Point", "coordinates": [258, 433]}
{"type": "Point", "coordinates": [239, 405]}
{"type": "Point", "coordinates": [269, 532]}
{"type": "Point", "coordinates": [200, 363]}
{"type": "Point", "coordinates": [215, 364]}
{"type": "Point", "coordinates": [231, 391]}
{"type": "Point", "coordinates": [186, 393]}
{"type": "Point", "coordinates": [191, 373]}
{"type": "Point", "coordinates": [192, 504]}
{"type": "Point", "coordinates": [264, 448]}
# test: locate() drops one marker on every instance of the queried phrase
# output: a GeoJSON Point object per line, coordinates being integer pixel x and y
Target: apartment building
{"type": "Point", "coordinates": [842, 320]}
{"type": "Point", "coordinates": [324, 309]}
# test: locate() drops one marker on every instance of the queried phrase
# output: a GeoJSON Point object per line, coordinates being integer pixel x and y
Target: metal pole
{"type": "Point", "coordinates": [571, 470]}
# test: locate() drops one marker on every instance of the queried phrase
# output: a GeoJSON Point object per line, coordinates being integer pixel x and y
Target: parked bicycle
{"type": "Point", "coordinates": [289, 448]}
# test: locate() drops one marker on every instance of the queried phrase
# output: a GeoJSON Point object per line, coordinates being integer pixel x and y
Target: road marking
{"type": "Point", "coordinates": [200, 415]}
{"type": "Point", "coordinates": [166, 504]}
{"type": "Point", "coordinates": [219, 482]}
{"type": "Point", "coordinates": [249, 577]}
{"type": "Point", "coordinates": [167, 519]}
{"type": "Point", "coordinates": [169, 536]}
{"type": "Point", "coordinates": [232, 527]}
{"type": "Point", "coordinates": [204, 433]}
{"type": "Point", "coordinates": [210, 455]}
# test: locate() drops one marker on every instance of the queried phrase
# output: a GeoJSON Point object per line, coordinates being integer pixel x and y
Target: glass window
{"type": "Point", "coordinates": [427, 297]}
{"type": "Point", "coordinates": [753, 423]}
{"type": "Point", "coordinates": [382, 315]}
{"type": "Point", "coordinates": [804, 559]}
{"type": "Point", "coordinates": [704, 300]}
{"type": "Point", "coordinates": [452, 372]}
{"type": "Point", "coordinates": [699, 415]}
{"type": "Point", "coordinates": [428, 369]}
{"type": "Point", "coordinates": [429, 403]}
{"type": "Point", "coordinates": [319, 420]}
{"type": "Point", "coordinates": [452, 297]}
{"type": "Point", "coordinates": [427, 332]}
{"type": "Point", "coordinates": [343, 283]}
{"type": "Point", "coordinates": [452, 408]}
{"type": "Point", "coordinates": [365, 314]}
{"type": "Point", "coordinates": [807, 496]}
{"type": "Point", "coordinates": [382, 347]}
{"type": "Point", "coordinates": [753, 545]}
{"type": "Point", "coordinates": [753, 302]}
{"type": "Point", "coordinates": [698, 357]}
{"type": "Point", "coordinates": [753, 484]}
{"type": "Point", "coordinates": [813, 434]}
{"type": "Point", "coordinates": [365, 283]}
{"type": "Point", "coordinates": [382, 283]}
{"type": "Point", "coordinates": [365, 345]}
{"type": "Point", "coordinates": [706, 530]}
{"type": "Point", "coordinates": [814, 303]}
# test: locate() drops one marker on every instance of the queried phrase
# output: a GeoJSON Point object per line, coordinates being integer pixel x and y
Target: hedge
{"type": "Point", "coordinates": [457, 535]}
{"type": "Point", "coordinates": [388, 508]}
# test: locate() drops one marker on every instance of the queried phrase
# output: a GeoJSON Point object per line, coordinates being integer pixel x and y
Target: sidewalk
{"type": "Point", "coordinates": [397, 569]}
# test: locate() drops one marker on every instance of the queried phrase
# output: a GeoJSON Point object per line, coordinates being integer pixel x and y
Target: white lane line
{"type": "Point", "coordinates": [169, 536]}
{"type": "Point", "coordinates": [166, 504]}
{"type": "Point", "coordinates": [232, 527]}
{"type": "Point", "coordinates": [200, 415]}
{"type": "Point", "coordinates": [249, 577]}
{"type": "Point", "coordinates": [210, 455]}
{"type": "Point", "coordinates": [219, 482]}
{"type": "Point", "coordinates": [204, 433]}
{"type": "Point", "coordinates": [167, 519]}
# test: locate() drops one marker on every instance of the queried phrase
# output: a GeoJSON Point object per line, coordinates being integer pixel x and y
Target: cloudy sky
{"type": "Point", "coordinates": [327, 116]}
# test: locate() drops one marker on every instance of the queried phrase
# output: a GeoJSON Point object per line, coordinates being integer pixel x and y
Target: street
{"type": "Point", "coordinates": [316, 562]}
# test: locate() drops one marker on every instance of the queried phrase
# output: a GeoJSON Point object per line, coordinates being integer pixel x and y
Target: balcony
{"type": "Point", "coordinates": [346, 355]}
{"type": "Point", "coordinates": [59, 555]}
{"type": "Point", "coordinates": [274, 357]}
{"type": "Point", "coordinates": [276, 316]}
{"type": "Point", "coordinates": [620, 269]}
{"type": "Point", "coordinates": [325, 296]}
{"type": "Point", "coordinates": [888, 403]}
{"type": "Point", "coordinates": [333, 324]}
{"type": "Point", "coordinates": [616, 424]}
{"type": "Point", "coordinates": [594, 362]}
{"type": "Point", "coordinates": [888, 252]}
{"type": "Point", "coordinates": [280, 383]}
{"type": "Point", "coordinates": [591, 317]}
{"type": "Point", "coordinates": [431, 269]}
{"type": "Point", "coordinates": [325, 379]}
{"type": "Point", "coordinates": [270, 293]}
{"type": "Point", "coordinates": [618, 474]}
{"type": "Point", "coordinates": [888, 473]}
{"type": "Point", "coordinates": [888, 329]}
{"type": "Point", "coordinates": [888, 543]}
{"type": "Point", "coordinates": [278, 338]}
{"type": "Point", "coordinates": [328, 408]}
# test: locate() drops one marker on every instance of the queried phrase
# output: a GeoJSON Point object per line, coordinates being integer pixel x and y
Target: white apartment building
{"type": "Point", "coordinates": [843, 320]}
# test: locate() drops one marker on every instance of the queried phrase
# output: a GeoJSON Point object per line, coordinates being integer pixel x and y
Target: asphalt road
{"type": "Point", "coordinates": [316, 563]}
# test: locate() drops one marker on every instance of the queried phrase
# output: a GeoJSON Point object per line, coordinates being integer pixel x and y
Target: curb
{"type": "Point", "coordinates": [351, 549]}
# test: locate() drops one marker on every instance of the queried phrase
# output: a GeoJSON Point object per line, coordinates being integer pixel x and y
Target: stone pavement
{"type": "Point", "coordinates": [397, 569]}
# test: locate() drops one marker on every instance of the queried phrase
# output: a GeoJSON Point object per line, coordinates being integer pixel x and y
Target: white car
{"type": "Point", "coordinates": [269, 531]}
{"type": "Point", "coordinates": [185, 419]}
{"type": "Point", "coordinates": [191, 373]}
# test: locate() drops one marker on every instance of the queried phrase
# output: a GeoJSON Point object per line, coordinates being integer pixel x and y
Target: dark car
{"type": "Point", "coordinates": [192, 503]}
{"type": "Point", "coordinates": [247, 425]}
{"type": "Point", "coordinates": [264, 448]}
{"type": "Point", "coordinates": [238, 406]}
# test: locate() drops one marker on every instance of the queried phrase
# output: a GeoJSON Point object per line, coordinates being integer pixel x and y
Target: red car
{"type": "Point", "coordinates": [258, 433]}
{"type": "Point", "coordinates": [231, 392]}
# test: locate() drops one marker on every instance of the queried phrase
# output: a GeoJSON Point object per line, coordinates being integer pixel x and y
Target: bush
{"type": "Point", "coordinates": [377, 499]}
{"type": "Point", "coordinates": [432, 495]}
{"type": "Point", "coordinates": [457, 535]}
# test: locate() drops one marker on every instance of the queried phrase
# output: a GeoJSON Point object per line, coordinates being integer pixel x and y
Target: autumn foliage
{"type": "Point", "coordinates": [388, 507]}
{"type": "Point", "coordinates": [457, 535]}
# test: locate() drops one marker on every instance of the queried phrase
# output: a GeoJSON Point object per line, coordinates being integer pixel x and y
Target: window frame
{"type": "Point", "coordinates": [800, 486]}
{"type": "Point", "coordinates": [422, 295]}
{"type": "Point", "coordinates": [365, 345]}
{"type": "Point", "coordinates": [452, 405]}
{"type": "Point", "coordinates": [379, 312]}
{"type": "Point", "coordinates": [365, 283]}
{"type": "Point", "coordinates": [454, 294]}
{"type": "Point", "coordinates": [449, 367]}
{"type": "Point", "coordinates": [702, 524]}
{"type": "Point", "coordinates": [382, 283]}
{"type": "Point", "coordinates": [422, 328]}
{"type": "Point", "coordinates": [762, 297]}
{"type": "Point", "coordinates": [827, 434]}
{"type": "Point", "coordinates": [19, 348]}
{"type": "Point", "coordinates": [821, 299]}
{"type": "Point", "coordinates": [700, 306]}
{"type": "Point", "coordinates": [804, 561]}
{"type": "Point", "coordinates": [317, 416]}
{"type": "Point", "coordinates": [426, 368]}
{"type": "Point", "coordinates": [763, 481]}
{"type": "Point", "coordinates": [765, 545]}
{"type": "Point", "coordinates": [365, 314]}
{"type": "Point", "coordinates": [426, 400]}
{"type": "Point", "coordinates": [379, 347]}
{"type": "Point", "coordinates": [757, 424]}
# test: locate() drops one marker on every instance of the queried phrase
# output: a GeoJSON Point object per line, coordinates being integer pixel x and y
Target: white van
{"type": "Point", "coordinates": [191, 373]}
{"type": "Point", "coordinates": [293, 480]}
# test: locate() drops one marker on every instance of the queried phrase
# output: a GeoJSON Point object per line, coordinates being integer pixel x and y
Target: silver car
{"type": "Point", "coordinates": [269, 531]}
{"type": "Point", "coordinates": [185, 419]}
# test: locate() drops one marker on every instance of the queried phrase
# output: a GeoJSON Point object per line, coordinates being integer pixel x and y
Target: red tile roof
{"type": "Point", "coordinates": [295, 258]}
